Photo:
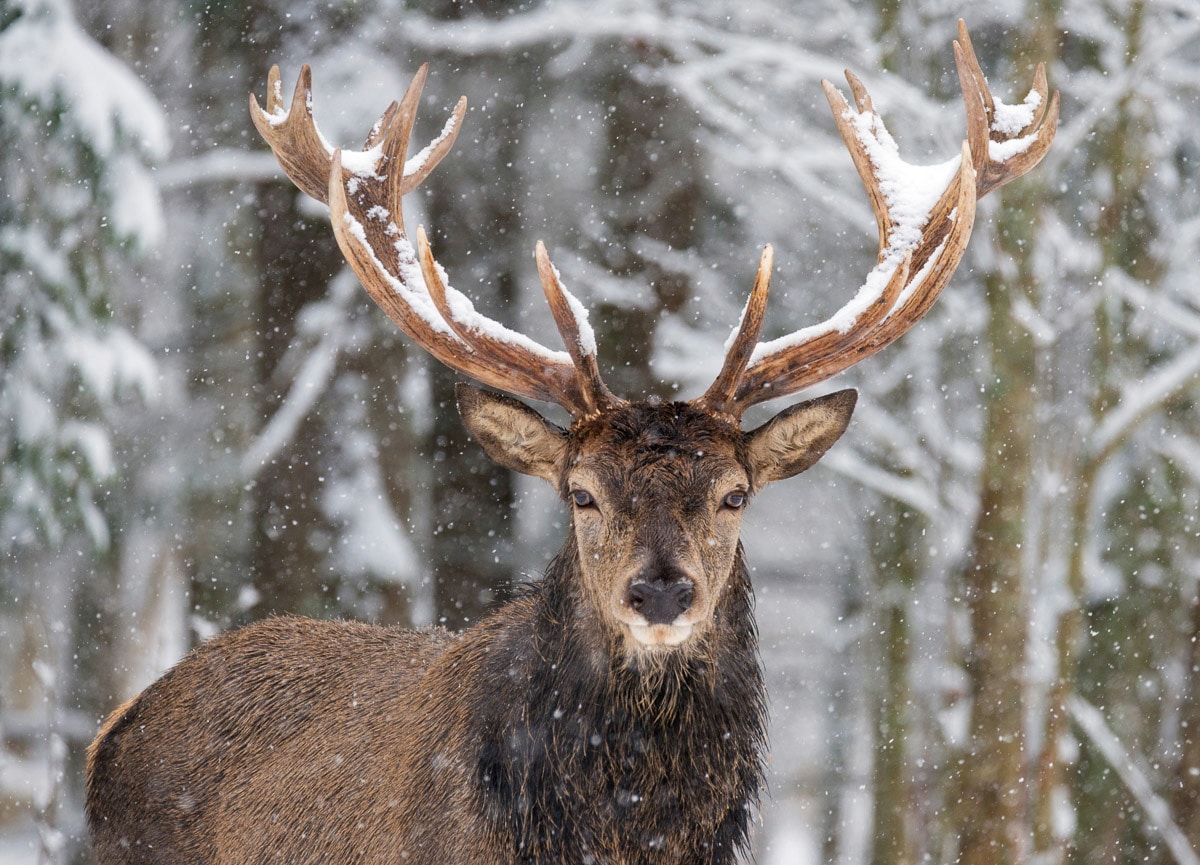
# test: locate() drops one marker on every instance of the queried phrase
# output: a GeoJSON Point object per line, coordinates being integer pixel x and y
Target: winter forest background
{"type": "Point", "coordinates": [978, 613]}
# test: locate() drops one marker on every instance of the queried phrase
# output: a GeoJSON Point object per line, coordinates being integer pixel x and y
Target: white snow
{"type": "Point", "coordinates": [1000, 151]}
{"type": "Point", "coordinates": [417, 162]}
{"type": "Point", "coordinates": [587, 336]}
{"type": "Point", "coordinates": [363, 163]}
{"type": "Point", "coordinates": [732, 338]}
{"type": "Point", "coordinates": [109, 361]}
{"type": "Point", "coordinates": [911, 191]}
{"type": "Point", "coordinates": [45, 55]}
{"type": "Point", "coordinates": [92, 442]}
{"type": "Point", "coordinates": [136, 209]}
{"type": "Point", "coordinates": [1009, 120]}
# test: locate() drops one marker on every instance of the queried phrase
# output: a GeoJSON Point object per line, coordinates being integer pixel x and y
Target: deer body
{"type": "Point", "coordinates": [612, 714]}
{"type": "Point", "coordinates": [448, 750]}
{"type": "Point", "coordinates": [537, 736]}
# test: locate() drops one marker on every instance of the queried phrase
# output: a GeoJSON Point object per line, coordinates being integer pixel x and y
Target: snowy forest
{"type": "Point", "coordinates": [978, 614]}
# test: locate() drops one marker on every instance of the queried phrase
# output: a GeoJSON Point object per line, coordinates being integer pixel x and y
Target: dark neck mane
{"type": "Point", "coordinates": [601, 745]}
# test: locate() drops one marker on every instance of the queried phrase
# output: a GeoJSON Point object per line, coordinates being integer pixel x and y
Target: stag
{"type": "Point", "coordinates": [612, 713]}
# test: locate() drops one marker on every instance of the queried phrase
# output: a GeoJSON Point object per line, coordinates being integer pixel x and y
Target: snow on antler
{"type": "Point", "coordinates": [925, 216]}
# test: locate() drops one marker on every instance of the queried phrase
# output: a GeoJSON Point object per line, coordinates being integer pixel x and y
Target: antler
{"type": "Point", "coordinates": [922, 237]}
{"type": "Point", "coordinates": [364, 191]}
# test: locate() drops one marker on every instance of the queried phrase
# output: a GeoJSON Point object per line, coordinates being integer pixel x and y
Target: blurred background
{"type": "Point", "coordinates": [979, 613]}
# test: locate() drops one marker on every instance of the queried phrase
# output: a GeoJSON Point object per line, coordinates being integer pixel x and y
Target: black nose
{"type": "Point", "coordinates": [660, 602]}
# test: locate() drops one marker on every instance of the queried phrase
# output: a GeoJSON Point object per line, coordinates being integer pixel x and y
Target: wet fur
{"type": "Point", "coordinates": [543, 735]}
{"type": "Point", "coordinates": [558, 746]}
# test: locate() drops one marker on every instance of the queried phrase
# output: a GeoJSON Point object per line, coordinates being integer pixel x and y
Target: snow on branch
{"type": "Point", "coordinates": [219, 166]}
{"type": "Point", "coordinates": [1117, 86]}
{"type": "Point", "coordinates": [1142, 399]}
{"type": "Point", "coordinates": [1089, 719]}
{"type": "Point", "coordinates": [309, 384]}
{"type": "Point", "coordinates": [1163, 308]}
{"type": "Point", "coordinates": [45, 55]}
{"type": "Point", "coordinates": [567, 22]}
{"type": "Point", "coordinates": [910, 491]}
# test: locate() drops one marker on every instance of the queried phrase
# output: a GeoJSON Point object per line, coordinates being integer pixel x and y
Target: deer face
{"type": "Point", "coordinates": [657, 492]}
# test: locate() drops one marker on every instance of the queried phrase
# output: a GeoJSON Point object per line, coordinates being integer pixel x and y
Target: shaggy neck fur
{"type": "Point", "coordinates": [658, 754]}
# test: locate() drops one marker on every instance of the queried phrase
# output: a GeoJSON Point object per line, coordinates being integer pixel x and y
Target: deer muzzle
{"type": "Point", "coordinates": [660, 602]}
{"type": "Point", "coordinates": [658, 599]}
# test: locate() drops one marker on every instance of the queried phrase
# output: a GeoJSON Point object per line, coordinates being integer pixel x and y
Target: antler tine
{"type": "Point", "coordinates": [719, 395]}
{"type": "Point", "coordinates": [399, 134]}
{"type": "Point", "coordinates": [858, 152]}
{"type": "Point", "coordinates": [830, 351]}
{"type": "Point", "coordinates": [919, 247]}
{"type": "Point", "coordinates": [919, 266]}
{"type": "Point", "coordinates": [381, 127]}
{"type": "Point", "coordinates": [508, 356]}
{"type": "Point", "coordinates": [572, 321]}
{"type": "Point", "coordinates": [293, 135]}
{"type": "Point", "coordinates": [1003, 147]}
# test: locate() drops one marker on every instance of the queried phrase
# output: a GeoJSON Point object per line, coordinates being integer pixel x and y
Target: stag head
{"type": "Point", "coordinates": [657, 489]}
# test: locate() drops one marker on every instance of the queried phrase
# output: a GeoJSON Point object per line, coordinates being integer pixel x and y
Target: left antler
{"type": "Point", "coordinates": [364, 191]}
{"type": "Point", "coordinates": [920, 241]}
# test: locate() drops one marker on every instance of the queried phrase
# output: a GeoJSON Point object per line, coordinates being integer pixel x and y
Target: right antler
{"type": "Point", "coordinates": [364, 192]}
{"type": "Point", "coordinates": [919, 246]}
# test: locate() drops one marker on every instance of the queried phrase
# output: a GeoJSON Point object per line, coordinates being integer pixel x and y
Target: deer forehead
{"type": "Point", "coordinates": [652, 451]}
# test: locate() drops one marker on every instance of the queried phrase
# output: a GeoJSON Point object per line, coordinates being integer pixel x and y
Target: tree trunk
{"type": "Point", "coordinates": [993, 809]}
{"type": "Point", "coordinates": [898, 565]}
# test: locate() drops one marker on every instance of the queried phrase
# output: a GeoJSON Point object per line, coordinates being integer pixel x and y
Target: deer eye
{"type": "Point", "coordinates": [734, 500]}
{"type": "Point", "coordinates": [582, 498]}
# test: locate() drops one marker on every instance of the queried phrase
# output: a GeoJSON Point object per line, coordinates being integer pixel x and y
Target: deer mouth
{"type": "Point", "coordinates": [661, 636]}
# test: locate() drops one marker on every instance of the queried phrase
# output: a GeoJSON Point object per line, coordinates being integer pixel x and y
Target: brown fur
{"type": "Point", "coordinates": [548, 733]}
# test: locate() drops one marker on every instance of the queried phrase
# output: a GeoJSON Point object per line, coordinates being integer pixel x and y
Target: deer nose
{"type": "Point", "coordinates": [660, 602]}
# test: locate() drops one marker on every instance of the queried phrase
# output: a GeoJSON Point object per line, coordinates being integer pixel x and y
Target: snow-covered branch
{"type": "Point", "coordinates": [910, 491]}
{"type": "Point", "coordinates": [219, 166]}
{"type": "Point", "coordinates": [1073, 133]}
{"type": "Point", "coordinates": [280, 430]}
{"type": "Point", "coordinates": [1158, 814]}
{"type": "Point", "coordinates": [1163, 308]}
{"type": "Point", "coordinates": [310, 381]}
{"type": "Point", "coordinates": [1140, 401]}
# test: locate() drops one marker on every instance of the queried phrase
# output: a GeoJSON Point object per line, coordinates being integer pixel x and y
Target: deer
{"type": "Point", "coordinates": [613, 711]}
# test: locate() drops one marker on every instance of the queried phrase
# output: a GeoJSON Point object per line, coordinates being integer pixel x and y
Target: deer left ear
{"type": "Point", "coordinates": [797, 437]}
{"type": "Point", "coordinates": [511, 433]}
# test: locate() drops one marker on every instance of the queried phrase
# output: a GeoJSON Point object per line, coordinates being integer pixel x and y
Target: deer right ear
{"type": "Point", "coordinates": [511, 433]}
{"type": "Point", "coordinates": [797, 437]}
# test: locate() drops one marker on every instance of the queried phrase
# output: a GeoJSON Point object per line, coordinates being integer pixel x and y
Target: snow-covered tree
{"type": "Point", "coordinates": [78, 132]}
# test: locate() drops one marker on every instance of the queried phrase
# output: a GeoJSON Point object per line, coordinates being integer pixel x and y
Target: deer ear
{"type": "Point", "coordinates": [511, 433]}
{"type": "Point", "coordinates": [797, 437]}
